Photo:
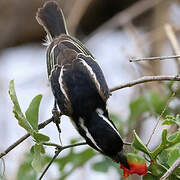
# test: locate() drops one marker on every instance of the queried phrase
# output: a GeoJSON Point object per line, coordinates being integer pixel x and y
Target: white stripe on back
{"type": "Point", "coordinates": [87, 133]}
{"type": "Point", "coordinates": [100, 113]}
{"type": "Point", "coordinates": [91, 72]}
{"type": "Point", "coordinates": [61, 83]}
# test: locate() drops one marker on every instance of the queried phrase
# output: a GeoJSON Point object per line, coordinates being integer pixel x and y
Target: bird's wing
{"type": "Point", "coordinates": [96, 75]}
{"type": "Point", "coordinates": [59, 90]}
{"type": "Point", "coordinates": [85, 85]}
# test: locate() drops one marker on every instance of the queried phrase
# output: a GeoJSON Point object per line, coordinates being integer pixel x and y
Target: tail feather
{"type": "Point", "coordinates": [51, 17]}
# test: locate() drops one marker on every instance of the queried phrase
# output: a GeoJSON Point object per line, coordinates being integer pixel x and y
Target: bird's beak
{"type": "Point", "coordinates": [123, 160]}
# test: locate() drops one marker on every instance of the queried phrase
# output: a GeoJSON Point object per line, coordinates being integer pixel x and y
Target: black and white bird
{"type": "Point", "coordinates": [79, 86]}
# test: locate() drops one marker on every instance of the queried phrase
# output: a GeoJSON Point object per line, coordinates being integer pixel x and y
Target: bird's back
{"type": "Point", "coordinates": [76, 75]}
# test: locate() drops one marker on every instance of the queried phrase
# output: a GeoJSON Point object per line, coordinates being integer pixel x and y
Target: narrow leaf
{"type": "Point", "coordinates": [17, 110]}
{"type": "Point", "coordinates": [160, 148]}
{"type": "Point", "coordinates": [38, 160]}
{"type": "Point", "coordinates": [40, 138]}
{"type": "Point", "coordinates": [168, 122]}
{"type": "Point", "coordinates": [33, 111]}
{"type": "Point", "coordinates": [139, 145]}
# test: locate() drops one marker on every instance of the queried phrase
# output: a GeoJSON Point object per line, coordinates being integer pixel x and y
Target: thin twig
{"type": "Point", "coordinates": [171, 169]}
{"type": "Point", "coordinates": [129, 84]}
{"type": "Point", "coordinates": [154, 58]}
{"type": "Point", "coordinates": [53, 144]}
{"type": "Point", "coordinates": [74, 145]}
{"type": "Point", "coordinates": [64, 147]}
{"type": "Point", "coordinates": [146, 79]}
{"type": "Point", "coordinates": [11, 147]}
{"type": "Point", "coordinates": [60, 148]}
{"type": "Point", "coordinates": [52, 160]}
{"type": "Point", "coordinates": [159, 118]}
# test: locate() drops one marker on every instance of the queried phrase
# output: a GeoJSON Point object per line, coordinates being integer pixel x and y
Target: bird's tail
{"type": "Point", "coordinates": [51, 17]}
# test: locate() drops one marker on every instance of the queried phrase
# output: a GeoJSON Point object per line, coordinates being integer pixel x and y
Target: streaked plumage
{"type": "Point", "coordinates": [78, 85]}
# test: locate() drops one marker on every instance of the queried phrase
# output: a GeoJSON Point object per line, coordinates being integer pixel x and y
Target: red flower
{"type": "Point", "coordinates": [137, 165]}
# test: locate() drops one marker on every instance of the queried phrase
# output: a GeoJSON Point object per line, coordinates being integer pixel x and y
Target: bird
{"type": "Point", "coordinates": [78, 85]}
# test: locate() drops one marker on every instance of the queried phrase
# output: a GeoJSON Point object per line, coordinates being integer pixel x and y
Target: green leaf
{"type": "Point", "coordinates": [150, 177]}
{"type": "Point", "coordinates": [163, 158]}
{"type": "Point", "coordinates": [138, 107]}
{"type": "Point", "coordinates": [177, 119]}
{"type": "Point", "coordinates": [25, 170]}
{"type": "Point", "coordinates": [160, 148]}
{"type": "Point", "coordinates": [172, 120]}
{"type": "Point", "coordinates": [33, 111]}
{"type": "Point", "coordinates": [139, 145]}
{"type": "Point", "coordinates": [173, 136]}
{"type": "Point", "coordinates": [101, 166]}
{"type": "Point", "coordinates": [159, 102]}
{"type": "Point", "coordinates": [40, 138]}
{"type": "Point", "coordinates": [168, 122]}
{"type": "Point", "coordinates": [38, 160]}
{"type": "Point", "coordinates": [73, 160]}
{"type": "Point", "coordinates": [17, 110]}
{"type": "Point", "coordinates": [173, 156]}
{"type": "Point", "coordinates": [164, 137]}
{"type": "Point", "coordinates": [169, 155]}
{"type": "Point", "coordinates": [156, 169]}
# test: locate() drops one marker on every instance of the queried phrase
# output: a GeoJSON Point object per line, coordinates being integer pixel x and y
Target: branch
{"type": "Point", "coordinates": [64, 147]}
{"type": "Point", "coordinates": [160, 117]}
{"type": "Point", "coordinates": [128, 84]}
{"type": "Point", "coordinates": [154, 58]}
{"type": "Point", "coordinates": [19, 141]}
{"type": "Point", "coordinates": [60, 148]}
{"type": "Point", "coordinates": [146, 79]}
{"type": "Point", "coordinates": [171, 169]}
{"type": "Point", "coordinates": [52, 160]}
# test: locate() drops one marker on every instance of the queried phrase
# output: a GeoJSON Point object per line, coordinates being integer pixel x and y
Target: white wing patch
{"type": "Point", "coordinates": [93, 75]}
{"type": "Point", "coordinates": [52, 56]}
{"type": "Point", "coordinates": [100, 113]}
{"type": "Point", "coordinates": [87, 133]}
{"type": "Point", "coordinates": [61, 83]}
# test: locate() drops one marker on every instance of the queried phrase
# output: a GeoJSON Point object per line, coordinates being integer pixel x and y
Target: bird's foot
{"type": "Point", "coordinates": [56, 118]}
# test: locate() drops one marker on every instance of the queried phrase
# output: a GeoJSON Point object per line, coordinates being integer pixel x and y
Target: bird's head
{"type": "Point", "coordinates": [122, 159]}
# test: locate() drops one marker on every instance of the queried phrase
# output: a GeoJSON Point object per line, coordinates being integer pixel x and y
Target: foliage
{"type": "Point", "coordinates": [158, 160]}
{"type": "Point", "coordinates": [29, 122]}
